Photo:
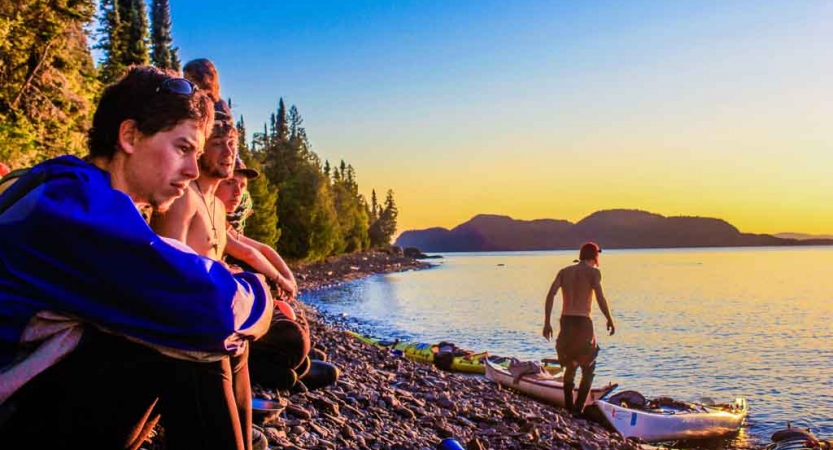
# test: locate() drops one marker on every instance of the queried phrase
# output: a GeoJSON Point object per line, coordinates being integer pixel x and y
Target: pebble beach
{"type": "Point", "coordinates": [383, 401]}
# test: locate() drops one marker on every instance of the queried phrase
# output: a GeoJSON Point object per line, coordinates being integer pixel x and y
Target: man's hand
{"type": "Point", "coordinates": [547, 333]}
{"type": "Point", "coordinates": [611, 327]}
{"type": "Point", "coordinates": [286, 286]}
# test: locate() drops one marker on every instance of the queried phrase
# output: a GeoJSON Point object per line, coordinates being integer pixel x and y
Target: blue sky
{"type": "Point", "coordinates": [695, 108]}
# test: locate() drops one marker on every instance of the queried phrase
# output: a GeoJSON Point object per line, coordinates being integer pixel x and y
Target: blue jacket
{"type": "Point", "coordinates": [77, 247]}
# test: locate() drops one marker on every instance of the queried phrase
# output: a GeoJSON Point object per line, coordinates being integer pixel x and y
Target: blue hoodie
{"type": "Point", "coordinates": [76, 247]}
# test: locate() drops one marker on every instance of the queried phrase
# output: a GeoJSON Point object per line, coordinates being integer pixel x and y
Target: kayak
{"type": "Point", "coordinates": [378, 342]}
{"type": "Point", "coordinates": [544, 386]}
{"type": "Point", "coordinates": [797, 439]}
{"type": "Point", "coordinates": [464, 361]}
{"type": "Point", "coordinates": [671, 420]}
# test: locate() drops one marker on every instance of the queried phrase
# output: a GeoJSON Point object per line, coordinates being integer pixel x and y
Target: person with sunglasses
{"type": "Point", "coordinates": [97, 312]}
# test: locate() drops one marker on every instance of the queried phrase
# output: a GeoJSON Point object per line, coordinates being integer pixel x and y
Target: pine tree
{"type": "Point", "coordinates": [163, 54]}
{"type": "Point", "coordinates": [384, 227]}
{"type": "Point", "coordinates": [124, 37]}
{"type": "Point", "coordinates": [136, 50]}
{"type": "Point", "coordinates": [47, 80]}
{"type": "Point", "coordinates": [110, 41]}
{"type": "Point", "coordinates": [327, 168]}
{"type": "Point", "coordinates": [295, 122]}
{"type": "Point", "coordinates": [134, 34]}
{"type": "Point", "coordinates": [262, 225]}
{"type": "Point", "coordinates": [281, 124]}
{"type": "Point", "coordinates": [374, 206]}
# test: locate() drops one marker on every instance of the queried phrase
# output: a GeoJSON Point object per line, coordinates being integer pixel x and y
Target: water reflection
{"type": "Point", "coordinates": [717, 323]}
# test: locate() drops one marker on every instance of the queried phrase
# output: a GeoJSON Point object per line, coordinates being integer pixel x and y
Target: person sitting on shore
{"type": "Point", "coordinates": [244, 251]}
{"type": "Point", "coordinates": [203, 73]}
{"type": "Point", "coordinates": [198, 220]}
{"type": "Point", "coordinates": [274, 360]}
{"type": "Point", "coordinates": [98, 331]}
{"type": "Point", "coordinates": [576, 343]}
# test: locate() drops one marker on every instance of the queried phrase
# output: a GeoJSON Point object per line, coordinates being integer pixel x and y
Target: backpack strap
{"type": "Point", "coordinates": [20, 190]}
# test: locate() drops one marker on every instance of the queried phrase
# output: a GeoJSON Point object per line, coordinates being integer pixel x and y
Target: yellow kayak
{"type": "Point", "coordinates": [446, 356]}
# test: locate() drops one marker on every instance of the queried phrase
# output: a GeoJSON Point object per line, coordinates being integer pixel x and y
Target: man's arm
{"type": "Point", "coordinates": [253, 257]}
{"type": "Point", "coordinates": [556, 284]}
{"type": "Point", "coordinates": [176, 221]}
{"type": "Point", "coordinates": [602, 301]}
{"type": "Point", "coordinates": [287, 280]}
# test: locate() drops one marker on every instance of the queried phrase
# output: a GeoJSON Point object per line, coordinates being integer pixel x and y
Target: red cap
{"type": "Point", "coordinates": [589, 250]}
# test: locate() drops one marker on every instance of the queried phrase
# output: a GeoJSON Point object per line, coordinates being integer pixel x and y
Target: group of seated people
{"type": "Point", "coordinates": [129, 292]}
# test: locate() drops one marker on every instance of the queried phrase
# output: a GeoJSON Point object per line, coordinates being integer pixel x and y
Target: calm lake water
{"type": "Point", "coordinates": [691, 323]}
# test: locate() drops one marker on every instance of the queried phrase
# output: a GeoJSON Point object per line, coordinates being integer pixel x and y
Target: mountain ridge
{"type": "Point", "coordinates": [612, 228]}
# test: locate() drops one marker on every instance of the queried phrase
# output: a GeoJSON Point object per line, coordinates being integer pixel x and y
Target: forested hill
{"type": "Point", "coordinates": [619, 228]}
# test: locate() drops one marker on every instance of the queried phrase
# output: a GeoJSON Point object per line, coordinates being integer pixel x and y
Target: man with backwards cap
{"type": "Point", "coordinates": [576, 343]}
{"type": "Point", "coordinates": [257, 255]}
{"type": "Point", "coordinates": [198, 219]}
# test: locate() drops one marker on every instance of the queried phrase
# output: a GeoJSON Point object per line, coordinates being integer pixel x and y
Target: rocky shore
{"type": "Point", "coordinates": [382, 401]}
{"type": "Point", "coordinates": [339, 269]}
{"type": "Point", "coordinates": [386, 402]}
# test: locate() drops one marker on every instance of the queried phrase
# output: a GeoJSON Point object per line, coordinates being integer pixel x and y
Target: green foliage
{"type": "Point", "coordinates": [47, 79]}
{"type": "Point", "coordinates": [135, 34]}
{"type": "Point", "coordinates": [384, 227]}
{"type": "Point", "coordinates": [163, 54]}
{"type": "Point", "coordinates": [352, 215]}
{"type": "Point", "coordinates": [110, 32]}
{"type": "Point", "coordinates": [374, 207]}
{"type": "Point", "coordinates": [281, 124]}
{"type": "Point", "coordinates": [309, 227]}
{"type": "Point", "coordinates": [48, 83]}
{"type": "Point", "coordinates": [321, 211]}
{"type": "Point", "coordinates": [124, 36]}
{"type": "Point", "coordinates": [262, 225]}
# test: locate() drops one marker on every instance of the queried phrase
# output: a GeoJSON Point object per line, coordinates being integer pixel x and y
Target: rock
{"type": "Point", "coordinates": [298, 411]}
{"type": "Point", "coordinates": [446, 403]}
{"type": "Point", "coordinates": [405, 412]}
{"type": "Point", "coordinates": [274, 435]}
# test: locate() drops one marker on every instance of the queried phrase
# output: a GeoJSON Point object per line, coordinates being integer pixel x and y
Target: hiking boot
{"type": "Point", "coordinates": [320, 374]}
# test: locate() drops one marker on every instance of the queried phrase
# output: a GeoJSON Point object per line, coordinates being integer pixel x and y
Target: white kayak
{"type": "Point", "coordinates": [543, 386]}
{"type": "Point", "coordinates": [668, 423]}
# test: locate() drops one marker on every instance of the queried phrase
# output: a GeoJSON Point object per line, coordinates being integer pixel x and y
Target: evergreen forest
{"type": "Point", "coordinates": [49, 84]}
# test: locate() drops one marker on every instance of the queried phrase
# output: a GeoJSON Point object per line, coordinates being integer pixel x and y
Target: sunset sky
{"type": "Point", "coordinates": [547, 109]}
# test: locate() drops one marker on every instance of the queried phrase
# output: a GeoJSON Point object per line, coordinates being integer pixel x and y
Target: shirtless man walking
{"type": "Point", "coordinates": [576, 343]}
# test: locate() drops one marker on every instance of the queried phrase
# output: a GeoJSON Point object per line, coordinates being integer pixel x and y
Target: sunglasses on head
{"type": "Point", "coordinates": [178, 86]}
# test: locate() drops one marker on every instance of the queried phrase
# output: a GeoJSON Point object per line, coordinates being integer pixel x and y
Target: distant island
{"type": "Point", "coordinates": [617, 228]}
{"type": "Point", "coordinates": [803, 236]}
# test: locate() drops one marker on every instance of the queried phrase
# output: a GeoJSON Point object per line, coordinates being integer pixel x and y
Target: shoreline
{"type": "Point", "coordinates": [384, 401]}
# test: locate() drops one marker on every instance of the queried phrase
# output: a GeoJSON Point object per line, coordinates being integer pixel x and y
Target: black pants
{"type": "Point", "coordinates": [588, 372]}
{"type": "Point", "coordinates": [576, 347]}
{"type": "Point", "coordinates": [102, 395]}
